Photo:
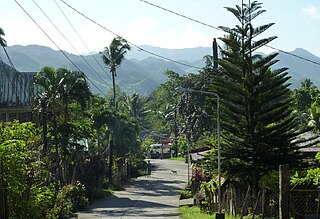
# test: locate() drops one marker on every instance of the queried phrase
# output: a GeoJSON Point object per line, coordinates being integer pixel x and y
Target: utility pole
{"type": "Point", "coordinates": [215, 53]}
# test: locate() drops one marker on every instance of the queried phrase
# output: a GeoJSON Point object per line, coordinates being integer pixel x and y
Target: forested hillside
{"type": "Point", "coordinates": [141, 72]}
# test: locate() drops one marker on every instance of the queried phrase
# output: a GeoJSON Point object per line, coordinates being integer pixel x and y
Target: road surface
{"type": "Point", "coordinates": [154, 197]}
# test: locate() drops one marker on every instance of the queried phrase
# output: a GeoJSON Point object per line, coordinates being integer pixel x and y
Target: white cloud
{"type": "Point", "coordinates": [148, 31]}
{"type": "Point", "coordinates": [311, 11]}
{"type": "Point", "coordinates": [142, 24]}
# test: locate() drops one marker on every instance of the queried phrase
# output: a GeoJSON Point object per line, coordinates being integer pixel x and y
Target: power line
{"type": "Point", "coordinates": [17, 74]}
{"type": "Point", "coordinates": [71, 44]}
{"type": "Point", "coordinates": [55, 44]}
{"type": "Point", "coordinates": [294, 55]}
{"type": "Point", "coordinates": [154, 134]}
{"type": "Point", "coordinates": [138, 47]}
{"type": "Point", "coordinates": [181, 15]}
{"type": "Point", "coordinates": [220, 29]}
{"type": "Point", "coordinates": [82, 39]}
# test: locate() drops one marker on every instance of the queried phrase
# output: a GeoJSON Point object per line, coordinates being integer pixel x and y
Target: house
{"type": "Point", "coordinates": [198, 154]}
{"type": "Point", "coordinates": [16, 91]}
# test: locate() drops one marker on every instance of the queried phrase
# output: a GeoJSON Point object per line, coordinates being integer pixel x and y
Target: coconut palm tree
{"type": "Point", "coordinates": [48, 99]}
{"type": "Point", "coordinates": [113, 56]}
{"type": "Point", "coordinates": [57, 89]}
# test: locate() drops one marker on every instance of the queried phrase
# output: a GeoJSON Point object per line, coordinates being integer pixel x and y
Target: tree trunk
{"type": "Point", "coordinates": [112, 139]}
{"type": "Point", "coordinates": [111, 156]}
{"type": "Point", "coordinates": [44, 128]}
{"type": "Point", "coordinates": [57, 148]}
{"type": "Point", "coordinates": [114, 87]}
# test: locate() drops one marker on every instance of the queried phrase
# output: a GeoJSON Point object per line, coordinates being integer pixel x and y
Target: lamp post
{"type": "Point", "coordinates": [218, 130]}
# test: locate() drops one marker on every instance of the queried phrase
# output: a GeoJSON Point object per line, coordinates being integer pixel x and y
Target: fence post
{"type": "Point", "coordinates": [263, 201]}
{"type": "Point", "coordinates": [284, 191]}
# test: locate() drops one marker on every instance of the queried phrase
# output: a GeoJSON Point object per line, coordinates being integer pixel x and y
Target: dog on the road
{"type": "Point", "coordinates": [174, 172]}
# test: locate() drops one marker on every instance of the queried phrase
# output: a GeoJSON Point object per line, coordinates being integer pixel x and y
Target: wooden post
{"type": "Point", "coordinates": [284, 191]}
{"type": "Point", "coordinates": [244, 203]}
{"type": "Point", "coordinates": [263, 201]}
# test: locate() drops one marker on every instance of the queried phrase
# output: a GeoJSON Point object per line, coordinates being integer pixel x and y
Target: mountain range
{"type": "Point", "coordinates": [141, 72]}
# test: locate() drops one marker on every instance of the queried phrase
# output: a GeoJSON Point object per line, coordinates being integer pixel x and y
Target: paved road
{"type": "Point", "coordinates": [154, 197]}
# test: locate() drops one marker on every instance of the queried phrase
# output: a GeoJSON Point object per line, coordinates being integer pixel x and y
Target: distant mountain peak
{"type": "Point", "coordinates": [306, 54]}
{"type": "Point", "coordinates": [140, 65]}
{"type": "Point", "coordinates": [33, 46]}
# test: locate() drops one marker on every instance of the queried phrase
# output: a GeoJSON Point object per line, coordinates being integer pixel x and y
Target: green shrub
{"type": "Point", "coordinates": [94, 171]}
{"type": "Point", "coordinates": [137, 167]}
{"type": "Point", "coordinates": [185, 194]}
{"type": "Point", "coordinates": [70, 199]}
{"type": "Point", "coordinates": [43, 200]}
{"type": "Point", "coordinates": [116, 186]}
{"type": "Point", "coordinates": [100, 193]}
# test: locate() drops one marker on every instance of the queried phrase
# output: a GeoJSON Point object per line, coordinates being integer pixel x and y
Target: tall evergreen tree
{"type": "Point", "coordinates": [258, 121]}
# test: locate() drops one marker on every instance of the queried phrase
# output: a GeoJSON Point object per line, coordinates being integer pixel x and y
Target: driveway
{"type": "Point", "coordinates": [144, 197]}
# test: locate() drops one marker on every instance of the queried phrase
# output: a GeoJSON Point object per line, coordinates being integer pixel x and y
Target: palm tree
{"type": "Point", "coordinates": [75, 89]}
{"type": "Point", "coordinates": [113, 57]}
{"type": "Point", "coordinates": [49, 83]}
{"type": "Point", "coordinates": [57, 89]}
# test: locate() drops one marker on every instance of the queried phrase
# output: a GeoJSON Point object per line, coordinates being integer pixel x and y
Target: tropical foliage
{"type": "Point", "coordinates": [304, 98]}
{"type": "Point", "coordinates": [79, 143]}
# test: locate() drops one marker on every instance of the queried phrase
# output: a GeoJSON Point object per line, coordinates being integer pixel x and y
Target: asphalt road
{"type": "Point", "coordinates": [145, 197]}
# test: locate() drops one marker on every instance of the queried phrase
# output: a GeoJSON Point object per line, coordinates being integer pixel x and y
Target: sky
{"type": "Point", "coordinates": [297, 23]}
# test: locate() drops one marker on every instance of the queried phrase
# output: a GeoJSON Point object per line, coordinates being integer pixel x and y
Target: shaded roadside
{"type": "Point", "coordinates": [154, 197]}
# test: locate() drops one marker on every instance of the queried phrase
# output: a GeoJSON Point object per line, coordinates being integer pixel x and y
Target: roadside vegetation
{"type": "Point", "coordinates": [193, 212]}
{"type": "Point", "coordinates": [81, 146]}
{"type": "Point", "coordinates": [178, 158]}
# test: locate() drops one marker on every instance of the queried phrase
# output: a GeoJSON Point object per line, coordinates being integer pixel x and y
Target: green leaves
{"type": "Point", "coordinates": [114, 54]}
{"type": "Point", "coordinates": [14, 159]}
{"type": "Point", "coordinates": [312, 177]}
{"type": "Point", "coordinates": [257, 119]}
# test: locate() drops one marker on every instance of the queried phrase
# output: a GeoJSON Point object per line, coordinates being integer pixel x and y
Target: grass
{"type": "Point", "coordinates": [193, 212]}
{"type": "Point", "coordinates": [187, 212]}
{"type": "Point", "coordinates": [178, 158]}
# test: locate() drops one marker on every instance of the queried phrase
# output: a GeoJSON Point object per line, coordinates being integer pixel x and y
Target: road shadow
{"type": "Point", "coordinates": [155, 187]}
{"type": "Point", "coordinates": [143, 197]}
{"type": "Point", "coordinates": [113, 208]}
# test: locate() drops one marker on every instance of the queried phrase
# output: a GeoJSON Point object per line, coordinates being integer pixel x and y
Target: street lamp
{"type": "Point", "coordinates": [218, 130]}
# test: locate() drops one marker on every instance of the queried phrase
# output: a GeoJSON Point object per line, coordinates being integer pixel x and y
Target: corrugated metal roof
{"type": "Point", "coordinates": [15, 87]}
